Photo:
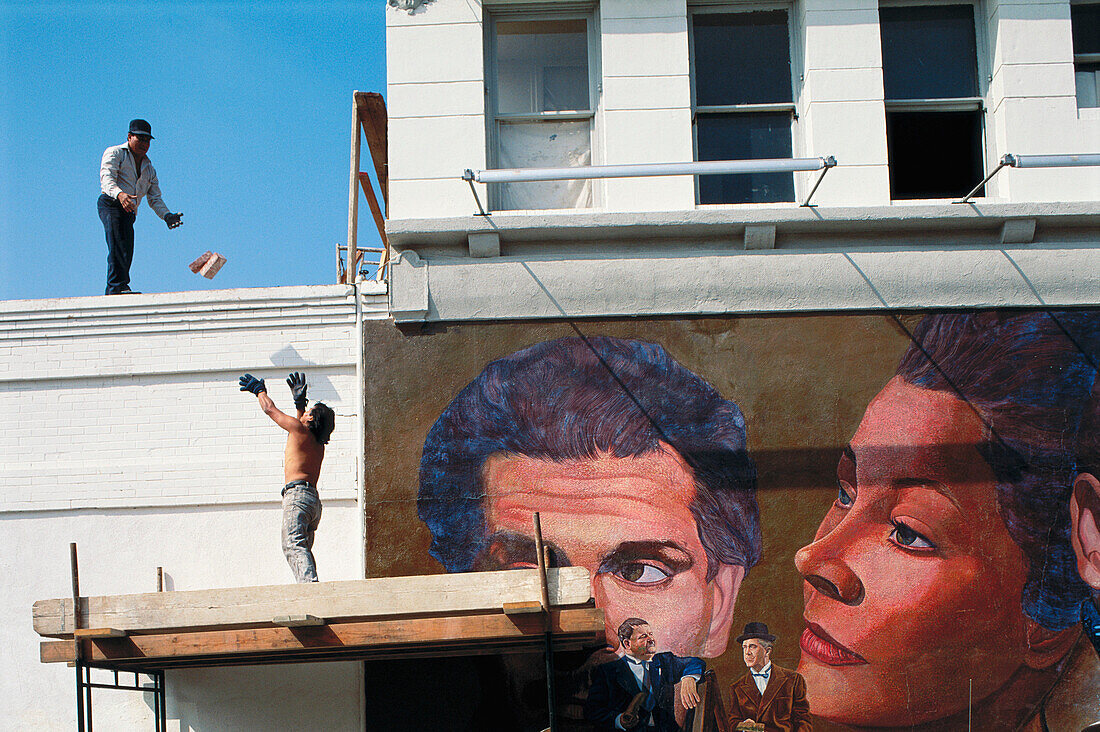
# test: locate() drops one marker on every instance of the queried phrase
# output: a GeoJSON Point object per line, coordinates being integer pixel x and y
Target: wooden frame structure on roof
{"type": "Point", "coordinates": [370, 121]}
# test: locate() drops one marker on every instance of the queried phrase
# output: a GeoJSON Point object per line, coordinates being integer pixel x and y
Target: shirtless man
{"type": "Point", "coordinates": [307, 434]}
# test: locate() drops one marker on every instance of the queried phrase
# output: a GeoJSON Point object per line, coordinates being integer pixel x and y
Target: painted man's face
{"type": "Point", "coordinates": [642, 643]}
{"type": "Point", "coordinates": [913, 583]}
{"type": "Point", "coordinates": [627, 520]}
{"type": "Point", "coordinates": [756, 654]}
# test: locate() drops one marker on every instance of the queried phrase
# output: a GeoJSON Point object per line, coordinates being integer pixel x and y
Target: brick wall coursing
{"type": "Point", "coordinates": [139, 405]}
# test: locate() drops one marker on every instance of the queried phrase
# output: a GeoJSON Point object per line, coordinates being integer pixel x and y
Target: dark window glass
{"type": "Point", "coordinates": [744, 137]}
{"type": "Point", "coordinates": [1086, 28]}
{"type": "Point", "coordinates": [934, 154]}
{"type": "Point", "coordinates": [929, 52]}
{"type": "Point", "coordinates": [742, 58]}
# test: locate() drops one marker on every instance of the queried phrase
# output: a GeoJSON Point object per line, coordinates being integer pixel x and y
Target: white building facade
{"type": "Point", "coordinates": [917, 102]}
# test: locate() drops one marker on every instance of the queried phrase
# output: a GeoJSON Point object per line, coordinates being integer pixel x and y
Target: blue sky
{"type": "Point", "coordinates": [250, 104]}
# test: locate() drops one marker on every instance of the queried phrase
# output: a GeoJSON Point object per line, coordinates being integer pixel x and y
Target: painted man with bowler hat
{"type": "Point", "coordinates": [126, 175]}
{"type": "Point", "coordinates": [767, 695]}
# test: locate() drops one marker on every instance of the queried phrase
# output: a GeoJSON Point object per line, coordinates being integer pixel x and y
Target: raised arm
{"type": "Point", "coordinates": [256, 386]}
{"type": "Point", "coordinates": [297, 384]}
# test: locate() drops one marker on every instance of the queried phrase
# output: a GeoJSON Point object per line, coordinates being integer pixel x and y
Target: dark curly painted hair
{"type": "Point", "coordinates": [1029, 376]}
{"type": "Point", "coordinates": [572, 399]}
{"type": "Point", "coordinates": [324, 422]}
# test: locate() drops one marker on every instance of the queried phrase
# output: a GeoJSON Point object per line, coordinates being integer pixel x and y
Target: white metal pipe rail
{"type": "Point", "coordinates": [1011, 160]}
{"type": "Point", "coordinates": [705, 167]}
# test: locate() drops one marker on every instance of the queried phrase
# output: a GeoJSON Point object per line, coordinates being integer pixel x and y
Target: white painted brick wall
{"type": "Point", "coordinates": [136, 403]}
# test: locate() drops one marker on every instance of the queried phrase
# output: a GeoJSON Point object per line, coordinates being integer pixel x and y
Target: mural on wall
{"type": "Point", "coordinates": [910, 504]}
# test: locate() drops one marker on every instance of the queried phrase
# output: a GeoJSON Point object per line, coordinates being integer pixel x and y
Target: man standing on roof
{"type": "Point", "coordinates": [308, 433]}
{"type": "Point", "coordinates": [126, 175]}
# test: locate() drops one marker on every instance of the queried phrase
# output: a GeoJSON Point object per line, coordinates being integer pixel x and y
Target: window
{"type": "Point", "coordinates": [1086, 53]}
{"type": "Point", "coordinates": [743, 101]}
{"type": "Point", "coordinates": [934, 112]}
{"type": "Point", "coordinates": [540, 100]}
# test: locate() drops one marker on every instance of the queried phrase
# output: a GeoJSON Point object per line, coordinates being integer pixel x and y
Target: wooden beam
{"type": "Point", "coordinates": [470, 634]}
{"type": "Point", "coordinates": [99, 633]}
{"type": "Point", "coordinates": [376, 212]}
{"type": "Point", "coordinates": [353, 195]}
{"type": "Point", "coordinates": [372, 114]}
{"type": "Point", "coordinates": [521, 608]}
{"type": "Point", "coordinates": [480, 648]}
{"type": "Point", "coordinates": [347, 600]}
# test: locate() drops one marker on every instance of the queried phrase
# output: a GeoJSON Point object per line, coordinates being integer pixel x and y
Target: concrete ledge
{"type": "Point", "coordinates": [757, 282]}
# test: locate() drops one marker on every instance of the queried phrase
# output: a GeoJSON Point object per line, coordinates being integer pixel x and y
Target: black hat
{"type": "Point", "coordinates": [141, 127]}
{"type": "Point", "coordinates": [756, 630]}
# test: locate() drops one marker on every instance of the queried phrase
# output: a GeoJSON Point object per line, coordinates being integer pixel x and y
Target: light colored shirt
{"type": "Point", "coordinates": [762, 677]}
{"type": "Point", "coordinates": [118, 174]}
{"type": "Point", "coordinates": [638, 667]}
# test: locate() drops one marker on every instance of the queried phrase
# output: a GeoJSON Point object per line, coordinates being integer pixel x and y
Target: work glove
{"type": "Point", "coordinates": [252, 384]}
{"type": "Point", "coordinates": [297, 384]}
{"type": "Point", "coordinates": [173, 220]}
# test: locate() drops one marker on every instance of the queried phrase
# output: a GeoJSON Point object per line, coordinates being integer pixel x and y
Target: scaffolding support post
{"type": "Point", "coordinates": [78, 664]}
{"type": "Point", "coordinates": [84, 683]}
{"type": "Point", "coordinates": [544, 598]}
{"type": "Point", "coordinates": [351, 270]}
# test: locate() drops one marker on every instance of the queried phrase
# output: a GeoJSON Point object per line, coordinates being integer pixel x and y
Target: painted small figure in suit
{"type": "Point", "coordinates": [767, 695]}
{"type": "Point", "coordinates": [635, 692]}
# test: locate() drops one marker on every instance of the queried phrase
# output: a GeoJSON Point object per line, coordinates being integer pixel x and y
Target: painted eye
{"type": "Point", "coordinates": [843, 497]}
{"type": "Point", "coordinates": [908, 538]}
{"type": "Point", "coordinates": [643, 574]}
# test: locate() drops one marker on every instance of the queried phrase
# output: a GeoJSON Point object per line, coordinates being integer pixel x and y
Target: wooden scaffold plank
{"type": "Point", "coordinates": [439, 594]}
{"type": "Point", "coordinates": [467, 634]}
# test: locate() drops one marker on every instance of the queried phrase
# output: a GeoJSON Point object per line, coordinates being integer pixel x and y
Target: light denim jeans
{"type": "Point", "coordinates": [301, 514]}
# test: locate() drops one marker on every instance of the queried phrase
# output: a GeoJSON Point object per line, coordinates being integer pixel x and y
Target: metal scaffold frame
{"type": "Point", "coordinates": [84, 681]}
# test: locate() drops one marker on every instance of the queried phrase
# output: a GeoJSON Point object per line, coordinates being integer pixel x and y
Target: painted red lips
{"type": "Point", "coordinates": [819, 644]}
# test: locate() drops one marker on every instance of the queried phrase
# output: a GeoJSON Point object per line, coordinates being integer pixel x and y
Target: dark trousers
{"type": "Point", "coordinates": [118, 225]}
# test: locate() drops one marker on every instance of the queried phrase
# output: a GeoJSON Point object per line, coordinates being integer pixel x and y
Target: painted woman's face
{"type": "Point", "coordinates": [912, 584]}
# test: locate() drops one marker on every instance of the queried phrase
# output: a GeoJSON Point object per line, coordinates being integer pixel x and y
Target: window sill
{"type": "Point", "coordinates": [747, 206]}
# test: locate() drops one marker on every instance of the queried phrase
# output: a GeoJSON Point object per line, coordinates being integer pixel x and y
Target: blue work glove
{"type": "Point", "coordinates": [252, 384]}
{"type": "Point", "coordinates": [297, 384]}
{"type": "Point", "coordinates": [173, 220]}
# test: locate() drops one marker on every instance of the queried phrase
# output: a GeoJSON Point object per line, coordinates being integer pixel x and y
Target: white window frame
{"type": "Point", "coordinates": [494, 119]}
{"type": "Point", "coordinates": [725, 7]}
{"type": "Point", "coordinates": [952, 104]}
